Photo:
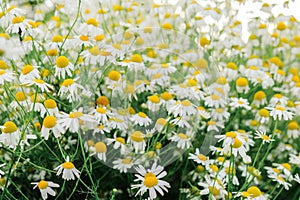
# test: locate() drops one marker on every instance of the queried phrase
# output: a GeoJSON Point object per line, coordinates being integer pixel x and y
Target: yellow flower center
{"type": "Point", "coordinates": [154, 99]}
{"type": "Point", "coordinates": [92, 21]}
{"type": "Point", "coordinates": [75, 114]}
{"type": "Point", "coordinates": [57, 38]}
{"type": "Point", "coordinates": [204, 41]}
{"type": "Point", "coordinates": [215, 97]}
{"type": "Point", "coordinates": [126, 161]}
{"type": "Point", "coordinates": [161, 121]}
{"type": "Point", "coordinates": [142, 115]}
{"type": "Point", "coordinates": [259, 95]}
{"type": "Point", "coordinates": [3, 64]}
{"type": "Point", "coordinates": [62, 62]}
{"type": "Point", "coordinates": [68, 165]}
{"type": "Point", "coordinates": [27, 69]}
{"type": "Point", "coordinates": [100, 147]}
{"type": "Point", "coordinates": [167, 26]}
{"type": "Point", "coordinates": [287, 166]}
{"type": "Point", "coordinates": [20, 96]}
{"type": "Point", "coordinates": [49, 122]}
{"type": "Point", "coordinates": [2, 71]}
{"type": "Point", "coordinates": [293, 125]}
{"type": "Point", "coordinates": [101, 110]}
{"type": "Point", "coordinates": [215, 168]}
{"type": "Point", "coordinates": [102, 100]}
{"type": "Point", "coordinates": [52, 52]}
{"type": "Point", "coordinates": [137, 136]}
{"type": "Point", "coordinates": [42, 184]}
{"type": "Point", "coordinates": [254, 191]}
{"type": "Point", "coordinates": [84, 38]}
{"type": "Point", "coordinates": [202, 157]}
{"type": "Point", "coordinates": [280, 108]}
{"type": "Point", "coordinates": [39, 81]}
{"type": "Point", "coordinates": [264, 112]}
{"type": "Point", "coordinates": [50, 103]}
{"type": "Point", "coordinates": [265, 137]}
{"type": "Point", "coordinates": [237, 143]}
{"type": "Point", "coordinates": [99, 37]}
{"type": "Point", "coordinates": [241, 82]}
{"type": "Point", "coordinates": [186, 103]}
{"type": "Point", "coordinates": [150, 180]}
{"type": "Point", "coordinates": [136, 58]}
{"type": "Point", "coordinates": [166, 96]}
{"type": "Point", "coordinates": [10, 127]}
{"type": "Point", "coordinates": [68, 82]}
{"type": "Point", "coordinates": [280, 179]}
{"type": "Point", "coordinates": [214, 190]}
{"type": "Point", "coordinates": [18, 19]}
{"type": "Point", "coordinates": [221, 80]}
{"type": "Point", "coordinates": [231, 65]}
{"type": "Point", "coordinates": [114, 75]}
{"type": "Point", "coordinates": [182, 136]}
{"type": "Point", "coordinates": [281, 26]}
{"type": "Point", "coordinates": [121, 140]}
{"type": "Point", "coordinates": [231, 134]}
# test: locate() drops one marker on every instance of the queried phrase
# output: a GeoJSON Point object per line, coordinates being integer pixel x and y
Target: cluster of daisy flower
{"type": "Point", "coordinates": [167, 90]}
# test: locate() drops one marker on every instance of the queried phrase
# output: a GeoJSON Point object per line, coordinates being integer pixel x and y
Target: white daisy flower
{"type": "Point", "coordinates": [119, 143]}
{"type": "Point", "coordinates": [280, 112]}
{"type": "Point", "coordinates": [138, 142]}
{"type": "Point", "coordinates": [10, 134]}
{"type": "Point", "coordinates": [71, 89]}
{"type": "Point", "coordinates": [6, 76]}
{"type": "Point", "coordinates": [29, 73]}
{"type": "Point", "coordinates": [45, 188]}
{"type": "Point", "coordinates": [182, 108]}
{"type": "Point", "coordinates": [215, 101]}
{"type": "Point", "coordinates": [151, 181]}
{"type": "Point", "coordinates": [199, 158]}
{"type": "Point", "coordinates": [73, 120]}
{"type": "Point", "coordinates": [262, 135]}
{"type": "Point", "coordinates": [141, 119]}
{"type": "Point", "coordinates": [40, 84]}
{"type": "Point", "coordinates": [50, 123]}
{"type": "Point", "coordinates": [51, 107]}
{"type": "Point", "coordinates": [99, 149]}
{"type": "Point", "coordinates": [123, 164]}
{"type": "Point", "coordinates": [183, 140]}
{"type": "Point", "coordinates": [68, 169]}
{"type": "Point", "coordinates": [63, 67]}
{"type": "Point", "coordinates": [154, 103]}
{"type": "Point", "coordinates": [239, 103]}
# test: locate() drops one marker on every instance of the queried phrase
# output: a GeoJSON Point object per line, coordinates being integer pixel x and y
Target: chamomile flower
{"type": "Point", "coordinates": [293, 130]}
{"type": "Point", "coordinates": [141, 119]}
{"type": "Point", "coordinates": [119, 143]}
{"type": "Point", "coordinates": [6, 76]}
{"type": "Point", "coordinates": [70, 89]}
{"type": "Point", "coordinates": [282, 180]}
{"type": "Point", "coordinates": [263, 116]}
{"type": "Point", "coordinates": [262, 135]}
{"type": "Point", "coordinates": [68, 169]}
{"type": "Point", "coordinates": [182, 108]}
{"type": "Point", "coordinates": [154, 103]}
{"type": "Point", "coordinates": [63, 67]}
{"type": "Point", "coordinates": [199, 158]}
{"type": "Point", "coordinates": [10, 134]}
{"type": "Point", "coordinates": [183, 140]}
{"type": "Point", "coordinates": [151, 182]}
{"type": "Point", "coordinates": [137, 140]}
{"type": "Point", "coordinates": [239, 103]}
{"type": "Point", "coordinates": [29, 72]}
{"type": "Point", "coordinates": [259, 98]}
{"type": "Point", "coordinates": [280, 112]}
{"type": "Point", "coordinates": [42, 85]}
{"type": "Point", "coordinates": [99, 149]}
{"type": "Point", "coordinates": [50, 123]}
{"type": "Point", "coordinates": [18, 23]}
{"type": "Point", "coordinates": [242, 85]}
{"type": "Point", "coordinates": [123, 164]}
{"type": "Point", "coordinates": [45, 188]}
{"type": "Point", "coordinates": [51, 107]}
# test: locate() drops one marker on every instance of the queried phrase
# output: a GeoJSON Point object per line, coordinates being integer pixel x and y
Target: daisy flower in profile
{"type": "Point", "coordinates": [259, 98]}
{"type": "Point", "coordinates": [6, 76]}
{"type": "Point", "coordinates": [71, 89]}
{"type": "Point", "coordinates": [99, 149]}
{"type": "Point", "coordinates": [141, 119]}
{"type": "Point", "coordinates": [50, 124]}
{"type": "Point", "coordinates": [137, 140]}
{"type": "Point", "coordinates": [68, 169]}
{"type": "Point", "coordinates": [252, 193]}
{"type": "Point", "coordinates": [154, 103]}
{"type": "Point", "coordinates": [63, 67]}
{"type": "Point", "coordinates": [10, 134]}
{"type": "Point", "coordinates": [123, 164]}
{"type": "Point", "coordinates": [262, 135]}
{"type": "Point", "coordinates": [151, 181]}
{"type": "Point", "coordinates": [199, 158]}
{"type": "Point", "coordinates": [51, 107]}
{"type": "Point", "coordinates": [74, 120]}
{"type": "Point", "coordinates": [182, 108]}
{"type": "Point", "coordinates": [45, 188]}
{"type": "Point", "coordinates": [18, 23]}
{"type": "Point", "coordinates": [40, 84]}
{"type": "Point", "coordinates": [29, 72]}
{"type": "Point", "coordinates": [280, 112]}
{"type": "Point", "coordinates": [242, 85]}
{"type": "Point", "coordinates": [239, 103]}
{"type": "Point", "coordinates": [183, 139]}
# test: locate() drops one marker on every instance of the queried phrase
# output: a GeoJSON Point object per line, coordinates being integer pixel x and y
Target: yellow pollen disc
{"type": "Point", "coordinates": [231, 134]}
{"type": "Point", "coordinates": [161, 121]}
{"type": "Point", "coordinates": [84, 38]}
{"type": "Point", "coordinates": [278, 96]}
{"type": "Point", "coordinates": [50, 103]}
{"type": "Point", "coordinates": [277, 171]}
{"type": "Point", "coordinates": [39, 81]}
{"type": "Point", "coordinates": [240, 102]}
{"type": "Point", "coordinates": [68, 82]}
{"type": "Point", "coordinates": [92, 21]}
{"type": "Point", "coordinates": [204, 41]}
{"type": "Point", "coordinates": [245, 194]}
{"type": "Point", "coordinates": [75, 114]}
{"type": "Point", "coordinates": [62, 62]}
{"type": "Point", "coordinates": [150, 180]}
{"type": "Point", "coordinates": [182, 136]}
{"type": "Point", "coordinates": [136, 58]}
{"type": "Point", "coordinates": [99, 37]}
{"type": "Point", "coordinates": [237, 143]}
{"type": "Point", "coordinates": [42, 184]}
{"type": "Point", "coordinates": [186, 103]}
{"type": "Point", "coordinates": [293, 125]}
{"type": "Point", "coordinates": [192, 82]}
{"type": "Point", "coordinates": [154, 99]}
{"type": "Point", "coordinates": [126, 161]}
{"type": "Point", "coordinates": [101, 110]}
{"type": "Point", "coordinates": [121, 140]}
{"type": "Point", "coordinates": [167, 26]}
{"type": "Point", "coordinates": [142, 115]}
{"type": "Point", "coordinates": [214, 168]}
{"type": "Point", "coordinates": [3, 64]}
{"type": "Point", "coordinates": [280, 108]}
{"type": "Point", "coordinates": [27, 69]}
{"type": "Point", "coordinates": [20, 96]}
{"type": "Point", "coordinates": [102, 100]}
{"type": "Point", "coordinates": [52, 52]}
{"type": "Point", "coordinates": [254, 123]}
{"type": "Point", "coordinates": [215, 97]}
{"type": "Point", "coordinates": [259, 95]}
{"type": "Point", "coordinates": [10, 127]}
{"type": "Point", "coordinates": [264, 112]}
{"type": "Point", "coordinates": [265, 137]}
{"type": "Point", "coordinates": [147, 29]}
{"type": "Point", "coordinates": [2, 71]}
{"type": "Point", "coordinates": [18, 19]}
{"type": "Point", "coordinates": [214, 190]}
{"type": "Point", "coordinates": [254, 191]}
{"type": "Point", "coordinates": [287, 166]}
{"type": "Point", "coordinates": [231, 65]}
{"type": "Point", "coordinates": [166, 96]}
{"type": "Point", "coordinates": [137, 136]}
{"type": "Point", "coordinates": [49, 122]}
{"type": "Point", "coordinates": [211, 123]}
{"type": "Point", "coordinates": [280, 179]}
{"type": "Point", "coordinates": [202, 157]}
{"type": "Point", "coordinates": [68, 165]}
{"type": "Point", "coordinates": [241, 82]}
{"type": "Point", "coordinates": [114, 75]}
{"type": "Point", "coordinates": [281, 26]}
{"type": "Point", "coordinates": [100, 147]}
{"type": "Point", "coordinates": [253, 68]}
{"type": "Point", "coordinates": [57, 38]}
